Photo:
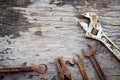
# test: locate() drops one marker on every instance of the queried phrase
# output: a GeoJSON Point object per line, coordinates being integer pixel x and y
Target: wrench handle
{"type": "Point", "coordinates": [35, 68]}
{"type": "Point", "coordinates": [16, 69]}
{"type": "Point", "coordinates": [83, 72]}
{"type": "Point", "coordinates": [111, 46]}
{"type": "Point", "coordinates": [98, 68]}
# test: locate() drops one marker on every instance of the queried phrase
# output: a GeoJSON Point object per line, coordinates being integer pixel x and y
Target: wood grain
{"type": "Point", "coordinates": [61, 35]}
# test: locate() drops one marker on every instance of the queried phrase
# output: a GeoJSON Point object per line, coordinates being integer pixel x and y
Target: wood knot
{"type": "Point", "coordinates": [38, 33]}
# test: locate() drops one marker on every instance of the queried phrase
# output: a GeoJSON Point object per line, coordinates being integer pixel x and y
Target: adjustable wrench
{"type": "Point", "coordinates": [62, 69]}
{"type": "Point", "coordinates": [40, 68]}
{"type": "Point", "coordinates": [94, 30]}
{"type": "Point", "coordinates": [91, 56]}
{"type": "Point", "coordinates": [81, 67]}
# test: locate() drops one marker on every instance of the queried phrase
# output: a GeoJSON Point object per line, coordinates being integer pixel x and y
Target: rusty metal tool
{"type": "Point", "coordinates": [62, 70]}
{"type": "Point", "coordinates": [40, 68]}
{"type": "Point", "coordinates": [81, 67]}
{"type": "Point", "coordinates": [91, 56]}
{"type": "Point", "coordinates": [94, 31]}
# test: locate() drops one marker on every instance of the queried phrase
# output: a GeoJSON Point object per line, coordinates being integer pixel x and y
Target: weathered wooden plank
{"type": "Point", "coordinates": [60, 36]}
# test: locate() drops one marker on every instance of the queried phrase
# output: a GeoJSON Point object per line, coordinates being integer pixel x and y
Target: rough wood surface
{"type": "Point", "coordinates": [53, 31]}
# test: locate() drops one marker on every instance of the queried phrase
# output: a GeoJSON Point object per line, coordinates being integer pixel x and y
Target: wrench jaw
{"type": "Point", "coordinates": [90, 52]}
{"type": "Point", "coordinates": [94, 29]}
{"type": "Point", "coordinates": [79, 59]}
{"type": "Point", "coordinates": [84, 25]}
{"type": "Point", "coordinates": [85, 53]}
{"type": "Point", "coordinates": [92, 48]}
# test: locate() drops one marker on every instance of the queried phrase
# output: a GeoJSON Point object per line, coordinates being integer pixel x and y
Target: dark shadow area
{"type": "Point", "coordinates": [12, 21]}
{"type": "Point", "coordinates": [21, 3]}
